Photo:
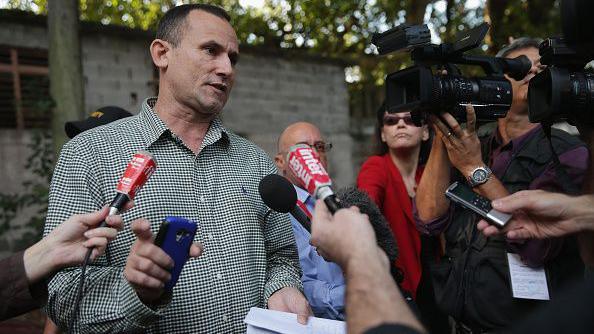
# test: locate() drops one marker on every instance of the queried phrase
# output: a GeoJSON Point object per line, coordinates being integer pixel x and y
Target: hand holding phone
{"type": "Point", "coordinates": [464, 196]}
{"type": "Point", "coordinates": [175, 237]}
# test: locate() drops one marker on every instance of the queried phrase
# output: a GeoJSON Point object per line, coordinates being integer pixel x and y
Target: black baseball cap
{"type": "Point", "coordinates": [99, 117]}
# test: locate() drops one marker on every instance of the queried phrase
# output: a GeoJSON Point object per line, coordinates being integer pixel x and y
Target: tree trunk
{"type": "Point", "coordinates": [65, 67]}
{"type": "Point", "coordinates": [416, 11]}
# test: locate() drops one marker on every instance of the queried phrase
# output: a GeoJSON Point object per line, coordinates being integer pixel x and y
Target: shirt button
{"type": "Point", "coordinates": [210, 236]}
{"type": "Point", "coordinates": [202, 199]}
{"type": "Point", "coordinates": [220, 276]}
{"type": "Point", "coordinates": [225, 317]}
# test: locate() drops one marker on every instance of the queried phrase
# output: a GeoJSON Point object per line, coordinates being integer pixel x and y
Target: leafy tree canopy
{"type": "Point", "coordinates": [342, 28]}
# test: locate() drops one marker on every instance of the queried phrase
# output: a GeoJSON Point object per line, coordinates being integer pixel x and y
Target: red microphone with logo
{"type": "Point", "coordinates": [139, 169]}
{"type": "Point", "coordinates": [305, 164]}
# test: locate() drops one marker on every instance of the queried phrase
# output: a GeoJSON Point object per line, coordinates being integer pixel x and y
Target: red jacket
{"type": "Point", "coordinates": [379, 177]}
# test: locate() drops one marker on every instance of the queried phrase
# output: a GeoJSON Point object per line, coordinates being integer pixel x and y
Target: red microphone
{"type": "Point", "coordinates": [305, 165]}
{"type": "Point", "coordinates": [139, 169]}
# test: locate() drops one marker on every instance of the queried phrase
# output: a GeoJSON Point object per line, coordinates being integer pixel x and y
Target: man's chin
{"type": "Point", "coordinates": [212, 107]}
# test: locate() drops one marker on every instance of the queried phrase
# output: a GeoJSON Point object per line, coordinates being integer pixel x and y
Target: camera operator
{"type": "Point", "coordinates": [375, 305]}
{"type": "Point", "coordinates": [472, 282]}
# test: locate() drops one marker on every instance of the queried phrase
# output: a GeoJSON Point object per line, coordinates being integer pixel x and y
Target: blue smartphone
{"type": "Point", "coordinates": [175, 237]}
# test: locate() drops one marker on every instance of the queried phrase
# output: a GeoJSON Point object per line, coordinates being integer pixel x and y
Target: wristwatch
{"type": "Point", "coordinates": [479, 176]}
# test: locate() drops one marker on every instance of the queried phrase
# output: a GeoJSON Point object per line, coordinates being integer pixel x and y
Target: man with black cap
{"type": "Point", "coordinates": [101, 116]}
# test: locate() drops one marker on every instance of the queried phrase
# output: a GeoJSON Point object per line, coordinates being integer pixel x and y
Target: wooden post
{"type": "Point", "coordinates": [16, 83]}
{"type": "Point", "coordinates": [65, 67]}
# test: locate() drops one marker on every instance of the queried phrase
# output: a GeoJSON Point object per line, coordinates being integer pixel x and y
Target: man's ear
{"type": "Point", "coordinates": [160, 53]}
{"type": "Point", "coordinates": [279, 161]}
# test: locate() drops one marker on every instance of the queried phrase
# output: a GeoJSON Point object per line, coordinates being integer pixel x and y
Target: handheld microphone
{"type": "Point", "coordinates": [304, 164]}
{"type": "Point", "coordinates": [279, 195]}
{"type": "Point", "coordinates": [139, 169]}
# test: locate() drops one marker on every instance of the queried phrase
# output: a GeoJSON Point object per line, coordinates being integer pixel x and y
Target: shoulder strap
{"type": "Point", "coordinates": [566, 183]}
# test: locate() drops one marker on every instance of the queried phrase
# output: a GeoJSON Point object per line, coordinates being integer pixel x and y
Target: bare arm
{"type": "Point", "coordinates": [430, 199]}
{"type": "Point", "coordinates": [372, 296]}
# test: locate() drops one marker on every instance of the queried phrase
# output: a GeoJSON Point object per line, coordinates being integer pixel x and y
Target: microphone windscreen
{"type": "Point", "coordinates": [277, 193]}
{"type": "Point", "coordinates": [350, 196]}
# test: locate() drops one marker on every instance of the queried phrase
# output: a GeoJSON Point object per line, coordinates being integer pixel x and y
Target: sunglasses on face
{"type": "Point", "coordinates": [392, 119]}
{"type": "Point", "coordinates": [320, 146]}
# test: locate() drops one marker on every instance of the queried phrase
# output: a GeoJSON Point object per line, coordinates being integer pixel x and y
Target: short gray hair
{"type": "Point", "coordinates": [519, 44]}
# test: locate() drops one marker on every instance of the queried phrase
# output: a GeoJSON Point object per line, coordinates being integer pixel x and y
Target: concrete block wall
{"type": "Point", "coordinates": [270, 94]}
{"type": "Point", "coordinates": [117, 71]}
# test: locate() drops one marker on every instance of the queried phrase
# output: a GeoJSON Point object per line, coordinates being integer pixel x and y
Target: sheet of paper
{"type": "Point", "coordinates": [527, 283]}
{"type": "Point", "coordinates": [263, 321]}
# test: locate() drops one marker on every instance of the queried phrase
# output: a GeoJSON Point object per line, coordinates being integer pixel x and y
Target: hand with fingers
{"type": "Point", "coordinates": [335, 235]}
{"type": "Point", "coordinates": [147, 267]}
{"type": "Point", "coordinates": [291, 300]}
{"type": "Point", "coordinates": [68, 243]}
{"type": "Point", "coordinates": [462, 144]}
{"type": "Point", "coordinates": [539, 214]}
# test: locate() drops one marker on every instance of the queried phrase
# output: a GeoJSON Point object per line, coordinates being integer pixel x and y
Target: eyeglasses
{"type": "Point", "coordinates": [320, 146]}
{"type": "Point", "coordinates": [392, 119]}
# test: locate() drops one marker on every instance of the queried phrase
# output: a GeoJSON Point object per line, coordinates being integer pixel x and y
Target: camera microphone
{"type": "Point", "coordinates": [304, 164]}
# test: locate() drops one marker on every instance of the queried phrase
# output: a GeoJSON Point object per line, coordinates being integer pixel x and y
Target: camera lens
{"type": "Point", "coordinates": [558, 95]}
{"type": "Point", "coordinates": [491, 97]}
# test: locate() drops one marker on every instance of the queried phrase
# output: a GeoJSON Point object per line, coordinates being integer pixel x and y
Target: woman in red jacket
{"type": "Point", "coordinates": [390, 178]}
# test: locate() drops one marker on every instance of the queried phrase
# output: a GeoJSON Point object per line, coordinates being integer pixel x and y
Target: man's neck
{"type": "Point", "coordinates": [514, 125]}
{"type": "Point", "coordinates": [190, 125]}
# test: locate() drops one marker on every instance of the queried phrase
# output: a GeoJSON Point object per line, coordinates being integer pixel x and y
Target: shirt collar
{"type": "Point", "coordinates": [515, 144]}
{"type": "Point", "coordinates": [302, 195]}
{"type": "Point", "coordinates": [155, 127]}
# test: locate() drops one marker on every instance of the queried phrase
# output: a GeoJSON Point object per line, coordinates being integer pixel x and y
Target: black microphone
{"type": "Point", "coordinates": [280, 195]}
{"type": "Point", "coordinates": [350, 196]}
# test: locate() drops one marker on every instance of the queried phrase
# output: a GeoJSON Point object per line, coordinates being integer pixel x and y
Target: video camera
{"type": "Point", "coordinates": [419, 90]}
{"type": "Point", "coordinates": [565, 91]}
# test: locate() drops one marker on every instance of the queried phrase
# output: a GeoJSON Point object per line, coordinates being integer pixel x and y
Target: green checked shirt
{"type": "Point", "coordinates": [248, 255]}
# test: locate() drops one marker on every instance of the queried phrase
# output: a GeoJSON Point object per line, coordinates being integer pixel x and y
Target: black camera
{"type": "Point", "coordinates": [565, 91]}
{"type": "Point", "coordinates": [419, 89]}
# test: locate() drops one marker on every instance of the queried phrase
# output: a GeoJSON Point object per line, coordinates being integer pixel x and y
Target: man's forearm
{"type": "Point", "coordinates": [430, 199]}
{"type": "Point", "coordinates": [373, 297]}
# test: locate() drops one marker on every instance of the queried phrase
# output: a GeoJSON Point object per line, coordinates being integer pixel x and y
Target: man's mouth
{"type": "Point", "coordinates": [219, 86]}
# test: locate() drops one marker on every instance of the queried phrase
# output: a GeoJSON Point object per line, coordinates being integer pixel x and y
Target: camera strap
{"type": "Point", "coordinates": [566, 183]}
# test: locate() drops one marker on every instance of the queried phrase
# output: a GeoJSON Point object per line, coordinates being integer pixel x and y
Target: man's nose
{"type": "Point", "coordinates": [224, 66]}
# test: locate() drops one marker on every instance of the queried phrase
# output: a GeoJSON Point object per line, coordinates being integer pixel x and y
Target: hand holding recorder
{"type": "Point", "coordinates": [539, 214]}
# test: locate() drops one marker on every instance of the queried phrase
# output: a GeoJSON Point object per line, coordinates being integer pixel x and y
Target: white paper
{"type": "Point", "coordinates": [263, 321]}
{"type": "Point", "coordinates": [527, 283]}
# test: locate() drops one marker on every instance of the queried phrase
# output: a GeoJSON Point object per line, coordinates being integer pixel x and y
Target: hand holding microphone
{"type": "Point", "coordinates": [306, 167]}
{"type": "Point", "coordinates": [139, 169]}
